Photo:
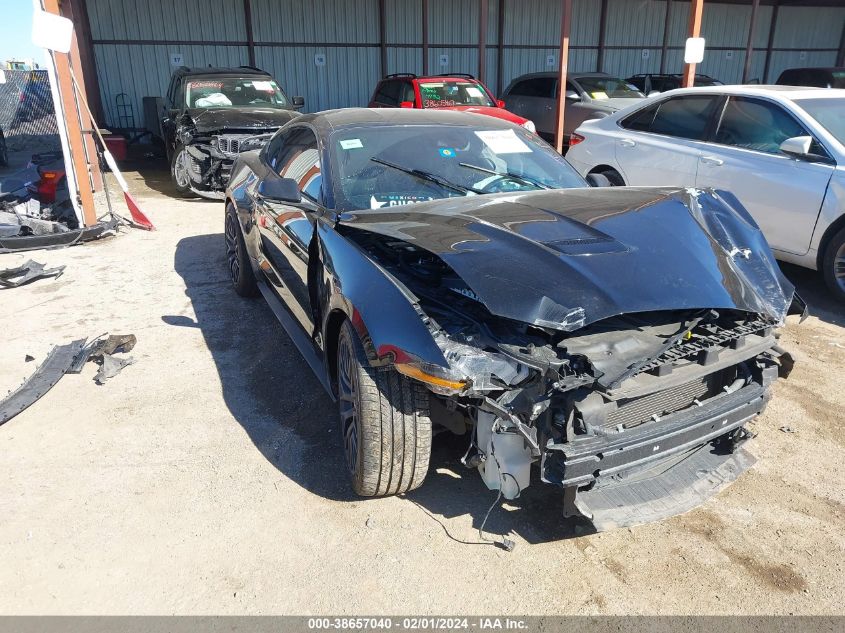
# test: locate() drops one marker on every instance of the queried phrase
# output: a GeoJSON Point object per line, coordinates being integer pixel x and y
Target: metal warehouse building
{"type": "Point", "coordinates": [334, 51]}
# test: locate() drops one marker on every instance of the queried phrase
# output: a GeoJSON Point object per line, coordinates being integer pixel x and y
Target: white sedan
{"type": "Point", "coordinates": [779, 149]}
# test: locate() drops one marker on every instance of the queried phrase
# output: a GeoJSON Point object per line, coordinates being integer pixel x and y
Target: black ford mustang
{"type": "Point", "coordinates": [440, 268]}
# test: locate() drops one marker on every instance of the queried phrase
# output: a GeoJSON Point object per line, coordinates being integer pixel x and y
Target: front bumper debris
{"type": "Point", "coordinates": [586, 460]}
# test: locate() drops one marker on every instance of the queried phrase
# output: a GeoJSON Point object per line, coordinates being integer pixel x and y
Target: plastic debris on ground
{"type": "Point", "coordinates": [27, 273]}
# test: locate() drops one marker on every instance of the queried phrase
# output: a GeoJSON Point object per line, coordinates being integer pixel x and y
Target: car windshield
{"type": "Point", "coordinates": [830, 113]}
{"type": "Point", "coordinates": [451, 92]}
{"type": "Point", "coordinates": [234, 92]}
{"type": "Point", "coordinates": [384, 166]}
{"type": "Point", "coordinates": [600, 88]}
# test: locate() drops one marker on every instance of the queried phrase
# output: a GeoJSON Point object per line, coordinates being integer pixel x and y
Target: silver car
{"type": "Point", "coordinates": [588, 96]}
{"type": "Point", "coordinates": [780, 150]}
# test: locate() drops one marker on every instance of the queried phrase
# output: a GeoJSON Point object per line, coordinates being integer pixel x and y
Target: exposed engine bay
{"type": "Point", "coordinates": [592, 406]}
{"type": "Point", "coordinates": [211, 154]}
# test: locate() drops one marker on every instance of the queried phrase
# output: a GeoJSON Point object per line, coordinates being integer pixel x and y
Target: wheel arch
{"type": "Point", "coordinates": [331, 333]}
{"type": "Point", "coordinates": [602, 168]}
{"type": "Point", "coordinates": [833, 228]}
{"type": "Point", "coordinates": [381, 310]}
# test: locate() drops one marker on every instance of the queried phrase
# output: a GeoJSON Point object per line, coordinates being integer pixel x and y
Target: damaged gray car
{"type": "Point", "coordinates": [213, 114]}
{"type": "Point", "coordinates": [448, 270]}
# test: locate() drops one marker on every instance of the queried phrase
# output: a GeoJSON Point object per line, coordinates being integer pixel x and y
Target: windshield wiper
{"type": "Point", "coordinates": [525, 179]}
{"type": "Point", "coordinates": [424, 175]}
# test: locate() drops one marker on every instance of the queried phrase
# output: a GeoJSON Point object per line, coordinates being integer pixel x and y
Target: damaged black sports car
{"type": "Point", "coordinates": [213, 114]}
{"type": "Point", "coordinates": [440, 268]}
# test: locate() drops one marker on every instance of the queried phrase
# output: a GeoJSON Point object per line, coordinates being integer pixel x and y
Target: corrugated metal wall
{"type": "Point", "coordinates": [134, 41]}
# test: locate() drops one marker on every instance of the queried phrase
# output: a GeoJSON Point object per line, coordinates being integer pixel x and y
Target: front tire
{"type": "Point", "coordinates": [180, 164]}
{"type": "Point", "coordinates": [833, 265]}
{"type": "Point", "coordinates": [240, 269]}
{"type": "Point", "coordinates": [384, 422]}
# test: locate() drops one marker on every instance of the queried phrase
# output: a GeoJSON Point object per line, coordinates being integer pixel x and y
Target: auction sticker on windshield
{"type": "Point", "coordinates": [351, 143]}
{"type": "Point", "coordinates": [395, 200]}
{"type": "Point", "coordinates": [503, 142]}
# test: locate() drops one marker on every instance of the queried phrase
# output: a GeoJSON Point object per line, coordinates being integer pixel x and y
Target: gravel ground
{"type": "Point", "coordinates": [208, 476]}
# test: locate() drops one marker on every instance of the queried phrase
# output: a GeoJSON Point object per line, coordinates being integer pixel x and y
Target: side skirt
{"type": "Point", "coordinates": [298, 336]}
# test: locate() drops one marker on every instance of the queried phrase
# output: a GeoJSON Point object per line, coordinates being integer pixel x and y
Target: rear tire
{"type": "Point", "coordinates": [240, 269]}
{"type": "Point", "coordinates": [613, 176]}
{"type": "Point", "coordinates": [384, 422]}
{"type": "Point", "coordinates": [833, 265]}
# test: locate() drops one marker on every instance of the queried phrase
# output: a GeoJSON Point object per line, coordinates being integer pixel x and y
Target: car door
{"type": "Point", "coordinates": [387, 95]}
{"type": "Point", "coordinates": [783, 194]}
{"type": "Point", "coordinates": [171, 113]}
{"type": "Point", "coordinates": [287, 229]}
{"type": "Point", "coordinates": [660, 144]}
{"type": "Point", "coordinates": [534, 99]}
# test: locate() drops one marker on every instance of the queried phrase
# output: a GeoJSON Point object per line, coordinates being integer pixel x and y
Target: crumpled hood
{"type": "Point", "coordinates": [566, 258]}
{"type": "Point", "coordinates": [216, 119]}
{"type": "Point", "coordinates": [499, 113]}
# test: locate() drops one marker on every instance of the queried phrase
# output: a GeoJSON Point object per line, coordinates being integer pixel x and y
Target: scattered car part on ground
{"type": "Point", "coordinates": [588, 96]}
{"type": "Point", "coordinates": [110, 367]}
{"type": "Point", "coordinates": [608, 336]}
{"type": "Point", "coordinates": [59, 239]}
{"type": "Point", "coordinates": [27, 223]}
{"type": "Point", "coordinates": [26, 273]}
{"type": "Point", "coordinates": [455, 91]}
{"type": "Point", "coordinates": [779, 149]}
{"type": "Point", "coordinates": [210, 115]}
{"type": "Point", "coordinates": [103, 346]}
{"type": "Point", "coordinates": [69, 359]}
{"type": "Point", "coordinates": [44, 378]}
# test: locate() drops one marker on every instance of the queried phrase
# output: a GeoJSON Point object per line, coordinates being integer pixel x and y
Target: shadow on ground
{"type": "Point", "coordinates": [271, 392]}
{"type": "Point", "coordinates": [811, 287]}
{"type": "Point", "coordinates": [153, 168]}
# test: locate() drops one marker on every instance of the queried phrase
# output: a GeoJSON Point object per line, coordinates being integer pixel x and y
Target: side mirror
{"type": "Point", "coordinates": [406, 104]}
{"type": "Point", "coordinates": [653, 93]}
{"type": "Point", "coordinates": [297, 102]}
{"type": "Point", "coordinates": [572, 95]}
{"type": "Point", "coordinates": [797, 146]}
{"type": "Point", "coordinates": [598, 180]}
{"type": "Point", "coordinates": [500, 103]}
{"type": "Point", "coordinates": [279, 189]}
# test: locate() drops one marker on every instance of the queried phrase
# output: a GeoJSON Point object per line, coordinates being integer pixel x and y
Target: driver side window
{"type": "Point", "coordinates": [295, 154]}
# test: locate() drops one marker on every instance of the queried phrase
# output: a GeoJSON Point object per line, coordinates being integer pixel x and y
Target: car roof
{"type": "Point", "coordinates": [220, 70]}
{"type": "Point", "coordinates": [827, 69]}
{"type": "Point", "coordinates": [413, 77]}
{"type": "Point", "coordinates": [789, 93]}
{"type": "Point", "coordinates": [669, 75]}
{"type": "Point", "coordinates": [330, 120]}
{"type": "Point", "coordinates": [569, 75]}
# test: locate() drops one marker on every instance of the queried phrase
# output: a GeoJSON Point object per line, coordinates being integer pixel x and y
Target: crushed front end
{"type": "Point", "coordinates": [636, 403]}
{"type": "Point", "coordinates": [211, 154]}
{"type": "Point", "coordinates": [636, 417]}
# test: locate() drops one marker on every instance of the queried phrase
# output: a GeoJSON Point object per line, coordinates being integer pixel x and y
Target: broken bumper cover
{"type": "Point", "coordinates": [211, 161]}
{"type": "Point", "coordinates": [588, 459]}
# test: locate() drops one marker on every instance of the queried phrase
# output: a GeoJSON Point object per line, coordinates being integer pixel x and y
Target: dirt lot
{"type": "Point", "coordinates": [208, 477]}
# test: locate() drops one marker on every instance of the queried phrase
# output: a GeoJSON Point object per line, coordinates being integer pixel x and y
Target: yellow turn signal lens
{"type": "Point", "coordinates": [412, 371]}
